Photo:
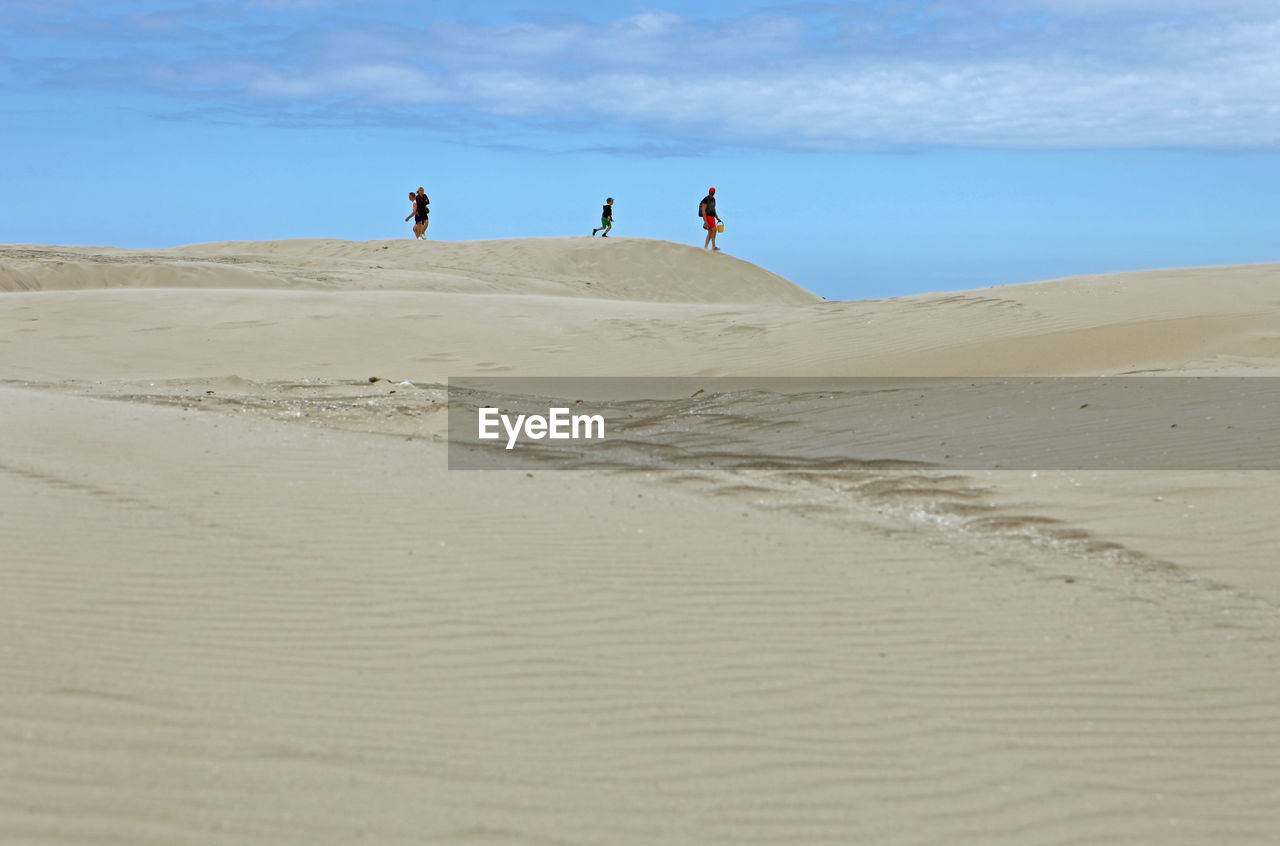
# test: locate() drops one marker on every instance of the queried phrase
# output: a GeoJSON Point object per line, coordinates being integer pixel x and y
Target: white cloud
{"type": "Point", "coordinates": [996, 73]}
{"type": "Point", "coordinates": [993, 104]}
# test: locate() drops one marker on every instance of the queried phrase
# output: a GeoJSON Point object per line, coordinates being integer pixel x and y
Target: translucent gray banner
{"type": "Point", "coordinates": [1108, 423]}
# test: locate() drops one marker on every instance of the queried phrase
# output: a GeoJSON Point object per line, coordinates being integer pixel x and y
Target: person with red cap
{"type": "Point", "coordinates": [707, 211]}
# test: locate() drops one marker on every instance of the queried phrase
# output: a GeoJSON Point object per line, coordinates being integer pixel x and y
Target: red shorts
{"type": "Point", "coordinates": [709, 223]}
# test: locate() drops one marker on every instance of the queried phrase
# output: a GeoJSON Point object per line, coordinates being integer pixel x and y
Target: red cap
{"type": "Point", "coordinates": [711, 190]}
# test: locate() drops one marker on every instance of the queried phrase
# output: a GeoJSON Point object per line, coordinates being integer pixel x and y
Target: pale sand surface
{"type": "Point", "coordinates": [270, 614]}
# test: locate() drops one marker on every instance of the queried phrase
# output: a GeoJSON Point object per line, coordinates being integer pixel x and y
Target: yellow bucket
{"type": "Point", "coordinates": [719, 227]}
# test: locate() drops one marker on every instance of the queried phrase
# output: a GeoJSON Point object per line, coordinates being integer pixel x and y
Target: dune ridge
{"type": "Point", "coordinates": [620, 268]}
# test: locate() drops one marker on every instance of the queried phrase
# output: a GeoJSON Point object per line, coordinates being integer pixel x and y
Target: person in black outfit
{"type": "Point", "coordinates": [707, 211]}
{"type": "Point", "coordinates": [606, 219]}
{"type": "Point", "coordinates": [420, 212]}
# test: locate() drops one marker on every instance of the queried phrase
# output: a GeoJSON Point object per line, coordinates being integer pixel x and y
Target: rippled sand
{"type": "Point", "coordinates": [244, 601]}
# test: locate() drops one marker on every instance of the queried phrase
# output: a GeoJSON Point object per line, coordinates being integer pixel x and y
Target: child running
{"type": "Point", "coordinates": [606, 219]}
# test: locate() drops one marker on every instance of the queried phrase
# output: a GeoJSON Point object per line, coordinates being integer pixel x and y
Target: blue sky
{"type": "Point", "coordinates": [862, 149]}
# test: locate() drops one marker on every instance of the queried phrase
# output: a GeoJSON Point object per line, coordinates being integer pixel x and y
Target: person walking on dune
{"type": "Point", "coordinates": [420, 212]}
{"type": "Point", "coordinates": [606, 219]}
{"type": "Point", "coordinates": [710, 220]}
{"type": "Point", "coordinates": [413, 211]}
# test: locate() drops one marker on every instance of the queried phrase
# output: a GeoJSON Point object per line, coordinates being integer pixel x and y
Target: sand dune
{"type": "Point", "coordinates": [245, 601]}
{"type": "Point", "coordinates": [737, 320]}
{"type": "Point", "coordinates": [620, 268]}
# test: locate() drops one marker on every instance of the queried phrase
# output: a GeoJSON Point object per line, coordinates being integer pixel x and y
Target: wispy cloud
{"type": "Point", "coordinates": [997, 73]}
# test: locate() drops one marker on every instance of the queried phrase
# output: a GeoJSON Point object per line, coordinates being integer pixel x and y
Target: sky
{"type": "Point", "coordinates": [862, 149]}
